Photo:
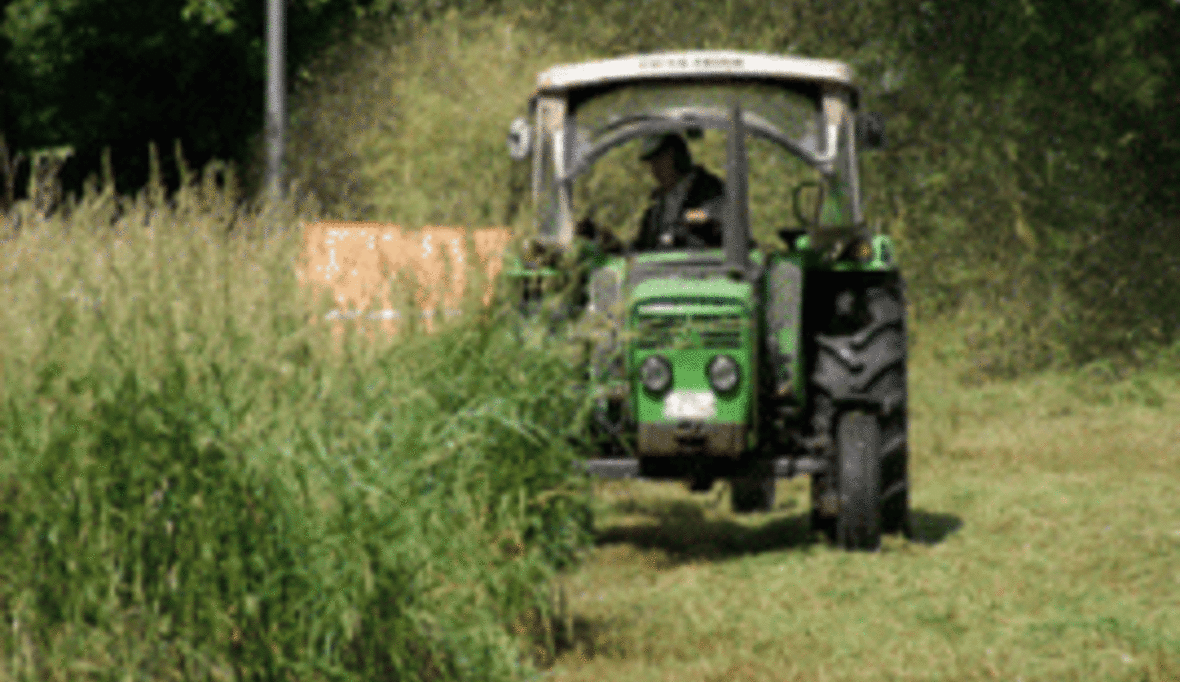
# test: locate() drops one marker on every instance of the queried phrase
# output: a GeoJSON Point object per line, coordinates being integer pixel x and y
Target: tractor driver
{"type": "Point", "coordinates": [681, 186]}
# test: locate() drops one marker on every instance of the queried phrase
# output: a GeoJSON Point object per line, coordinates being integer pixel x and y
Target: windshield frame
{"type": "Point", "coordinates": [579, 159]}
{"type": "Point", "coordinates": [822, 153]}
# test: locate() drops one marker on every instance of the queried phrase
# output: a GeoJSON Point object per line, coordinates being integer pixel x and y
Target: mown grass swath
{"type": "Point", "coordinates": [198, 480]}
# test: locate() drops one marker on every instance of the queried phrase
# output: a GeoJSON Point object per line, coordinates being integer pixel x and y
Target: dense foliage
{"type": "Point", "coordinates": [197, 483]}
{"type": "Point", "coordinates": [1029, 177]}
{"type": "Point", "coordinates": [1033, 174]}
{"type": "Point", "coordinates": [95, 74]}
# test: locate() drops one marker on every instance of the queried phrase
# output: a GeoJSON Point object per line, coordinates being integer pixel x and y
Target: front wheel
{"type": "Point", "coordinates": [858, 472]}
{"type": "Point", "coordinates": [861, 361]}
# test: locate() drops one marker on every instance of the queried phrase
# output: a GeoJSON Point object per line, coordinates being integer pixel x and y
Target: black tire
{"type": "Point", "coordinates": [858, 473]}
{"type": "Point", "coordinates": [752, 493]}
{"type": "Point", "coordinates": [861, 363]}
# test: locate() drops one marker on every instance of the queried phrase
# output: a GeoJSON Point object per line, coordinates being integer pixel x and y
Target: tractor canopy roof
{"type": "Point", "coordinates": [615, 100]}
{"type": "Point", "coordinates": [583, 111]}
{"type": "Point", "coordinates": [692, 65]}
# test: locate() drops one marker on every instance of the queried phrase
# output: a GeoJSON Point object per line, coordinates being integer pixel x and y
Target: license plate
{"type": "Point", "coordinates": [690, 405]}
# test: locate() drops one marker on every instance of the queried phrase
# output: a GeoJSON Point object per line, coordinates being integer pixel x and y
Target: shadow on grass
{"type": "Point", "coordinates": [931, 528]}
{"type": "Point", "coordinates": [682, 530]}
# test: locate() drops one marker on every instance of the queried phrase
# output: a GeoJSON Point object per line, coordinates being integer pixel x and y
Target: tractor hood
{"type": "Point", "coordinates": [667, 295]}
{"type": "Point", "coordinates": [660, 282]}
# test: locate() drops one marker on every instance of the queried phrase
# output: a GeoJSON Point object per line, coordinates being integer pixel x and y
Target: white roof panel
{"type": "Point", "coordinates": [699, 63]}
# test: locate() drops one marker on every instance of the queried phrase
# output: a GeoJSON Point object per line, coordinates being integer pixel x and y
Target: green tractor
{"type": "Point", "coordinates": [761, 334]}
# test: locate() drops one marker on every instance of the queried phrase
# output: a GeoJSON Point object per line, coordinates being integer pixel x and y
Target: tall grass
{"type": "Point", "coordinates": [198, 482]}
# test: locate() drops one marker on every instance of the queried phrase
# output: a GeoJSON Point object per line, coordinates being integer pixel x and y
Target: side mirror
{"type": "Point", "coordinates": [520, 139]}
{"type": "Point", "coordinates": [870, 130]}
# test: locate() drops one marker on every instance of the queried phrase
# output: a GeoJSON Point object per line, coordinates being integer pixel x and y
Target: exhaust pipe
{"type": "Point", "coordinates": [735, 236]}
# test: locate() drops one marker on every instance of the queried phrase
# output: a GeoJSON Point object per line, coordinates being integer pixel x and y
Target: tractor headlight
{"type": "Point", "coordinates": [656, 373]}
{"type": "Point", "coordinates": [724, 373]}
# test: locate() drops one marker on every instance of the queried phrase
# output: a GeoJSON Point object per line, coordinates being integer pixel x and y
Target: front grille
{"type": "Point", "coordinates": [681, 331]}
{"type": "Point", "coordinates": [659, 332]}
{"type": "Point", "coordinates": [719, 332]}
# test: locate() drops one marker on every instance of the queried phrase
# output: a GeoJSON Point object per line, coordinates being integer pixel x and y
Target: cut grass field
{"type": "Point", "coordinates": [1047, 547]}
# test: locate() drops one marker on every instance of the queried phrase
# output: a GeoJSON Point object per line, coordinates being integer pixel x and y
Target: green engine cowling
{"type": "Point", "coordinates": [678, 354]}
{"type": "Point", "coordinates": [665, 320]}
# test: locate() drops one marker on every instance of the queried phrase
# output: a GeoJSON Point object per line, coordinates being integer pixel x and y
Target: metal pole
{"type": "Point", "coordinates": [276, 89]}
{"type": "Point", "coordinates": [735, 239]}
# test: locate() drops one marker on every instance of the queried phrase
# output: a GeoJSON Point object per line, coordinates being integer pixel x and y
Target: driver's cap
{"type": "Point", "coordinates": [654, 144]}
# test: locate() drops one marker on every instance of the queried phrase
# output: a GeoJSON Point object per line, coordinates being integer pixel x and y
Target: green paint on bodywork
{"type": "Point", "coordinates": [678, 256]}
{"type": "Point", "coordinates": [689, 256]}
{"type": "Point", "coordinates": [516, 267]}
{"type": "Point", "coordinates": [691, 306]}
{"type": "Point", "coordinates": [676, 289]}
{"type": "Point", "coordinates": [689, 373]}
{"type": "Point", "coordinates": [682, 307]}
{"type": "Point", "coordinates": [884, 257]}
{"type": "Point", "coordinates": [666, 312]}
{"type": "Point", "coordinates": [679, 288]}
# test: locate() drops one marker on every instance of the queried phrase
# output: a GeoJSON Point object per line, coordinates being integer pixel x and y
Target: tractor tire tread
{"type": "Point", "coordinates": [866, 368]}
{"type": "Point", "coordinates": [894, 446]}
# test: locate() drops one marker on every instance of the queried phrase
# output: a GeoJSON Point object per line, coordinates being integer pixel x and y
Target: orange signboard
{"type": "Point", "coordinates": [372, 270]}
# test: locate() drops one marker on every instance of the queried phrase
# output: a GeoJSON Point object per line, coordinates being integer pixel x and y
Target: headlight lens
{"type": "Point", "coordinates": [655, 373]}
{"type": "Point", "coordinates": [724, 373]}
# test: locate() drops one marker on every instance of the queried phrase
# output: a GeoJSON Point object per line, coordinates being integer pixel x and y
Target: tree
{"type": "Point", "coordinates": [1049, 137]}
{"type": "Point", "coordinates": [93, 74]}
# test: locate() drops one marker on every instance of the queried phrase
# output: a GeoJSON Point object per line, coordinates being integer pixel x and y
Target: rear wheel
{"type": "Point", "coordinates": [858, 471]}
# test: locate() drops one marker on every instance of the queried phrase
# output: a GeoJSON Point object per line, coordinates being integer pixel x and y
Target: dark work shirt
{"type": "Point", "coordinates": [665, 214]}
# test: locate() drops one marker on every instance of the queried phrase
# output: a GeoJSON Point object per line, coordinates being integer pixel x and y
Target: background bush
{"type": "Point", "coordinates": [1031, 177]}
{"type": "Point", "coordinates": [1028, 178]}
